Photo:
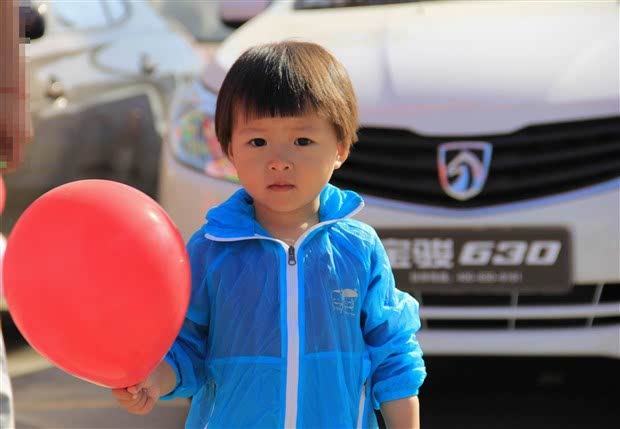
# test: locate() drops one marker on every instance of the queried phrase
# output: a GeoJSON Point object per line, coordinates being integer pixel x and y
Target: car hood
{"type": "Point", "coordinates": [113, 54]}
{"type": "Point", "coordinates": [458, 68]}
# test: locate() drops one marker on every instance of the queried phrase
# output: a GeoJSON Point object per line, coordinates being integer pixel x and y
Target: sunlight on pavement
{"type": "Point", "coordinates": [24, 361]}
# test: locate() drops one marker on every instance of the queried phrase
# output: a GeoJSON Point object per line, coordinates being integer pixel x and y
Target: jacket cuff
{"type": "Point", "coordinates": [399, 387]}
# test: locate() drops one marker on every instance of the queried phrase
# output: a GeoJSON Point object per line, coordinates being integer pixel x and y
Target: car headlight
{"type": "Point", "coordinates": [192, 132]}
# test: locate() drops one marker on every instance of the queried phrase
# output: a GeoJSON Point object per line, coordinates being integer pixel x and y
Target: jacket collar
{"type": "Point", "coordinates": [235, 218]}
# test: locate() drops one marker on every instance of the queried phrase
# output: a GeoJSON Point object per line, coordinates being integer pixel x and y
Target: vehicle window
{"type": "Point", "coordinates": [90, 14]}
{"type": "Point", "coordinates": [326, 4]}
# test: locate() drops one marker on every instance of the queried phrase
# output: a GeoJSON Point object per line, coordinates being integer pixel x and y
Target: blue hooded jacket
{"type": "Point", "coordinates": [312, 335]}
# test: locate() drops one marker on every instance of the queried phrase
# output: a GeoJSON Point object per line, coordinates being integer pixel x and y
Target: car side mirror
{"type": "Point", "coordinates": [31, 23]}
{"type": "Point", "coordinates": [235, 13]}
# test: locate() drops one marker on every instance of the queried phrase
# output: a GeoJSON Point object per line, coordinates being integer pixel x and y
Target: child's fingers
{"type": "Point", "coordinates": [128, 400]}
{"type": "Point", "coordinates": [134, 390]}
{"type": "Point", "coordinates": [146, 405]}
{"type": "Point", "coordinates": [135, 399]}
{"type": "Point", "coordinates": [122, 394]}
{"type": "Point", "coordinates": [138, 406]}
{"type": "Point", "coordinates": [150, 403]}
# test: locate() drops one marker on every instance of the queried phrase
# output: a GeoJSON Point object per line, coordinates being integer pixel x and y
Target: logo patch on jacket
{"type": "Point", "coordinates": [343, 301]}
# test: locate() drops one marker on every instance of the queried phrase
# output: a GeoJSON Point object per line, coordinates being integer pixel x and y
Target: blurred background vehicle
{"type": "Point", "coordinates": [489, 159]}
{"type": "Point", "coordinates": [200, 18]}
{"type": "Point", "coordinates": [101, 76]}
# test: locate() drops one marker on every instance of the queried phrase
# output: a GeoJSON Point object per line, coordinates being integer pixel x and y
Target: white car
{"type": "Point", "coordinates": [101, 76]}
{"type": "Point", "coordinates": [200, 18]}
{"type": "Point", "coordinates": [489, 160]}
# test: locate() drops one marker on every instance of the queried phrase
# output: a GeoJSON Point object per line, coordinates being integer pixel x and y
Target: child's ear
{"type": "Point", "coordinates": [229, 153]}
{"type": "Point", "coordinates": [343, 154]}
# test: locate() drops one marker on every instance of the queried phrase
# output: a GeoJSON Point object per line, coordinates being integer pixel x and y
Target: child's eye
{"type": "Point", "coordinates": [302, 141]}
{"type": "Point", "coordinates": [257, 142]}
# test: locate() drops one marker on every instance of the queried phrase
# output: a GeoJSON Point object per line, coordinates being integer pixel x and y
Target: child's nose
{"type": "Point", "coordinates": [279, 163]}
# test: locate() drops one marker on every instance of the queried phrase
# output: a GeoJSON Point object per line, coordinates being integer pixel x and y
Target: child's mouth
{"type": "Point", "coordinates": [280, 187]}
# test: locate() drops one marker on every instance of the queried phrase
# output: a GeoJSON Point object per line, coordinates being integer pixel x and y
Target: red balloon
{"type": "Point", "coordinates": [97, 279]}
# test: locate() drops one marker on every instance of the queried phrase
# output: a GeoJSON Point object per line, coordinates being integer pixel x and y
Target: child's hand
{"type": "Point", "coordinates": [139, 399]}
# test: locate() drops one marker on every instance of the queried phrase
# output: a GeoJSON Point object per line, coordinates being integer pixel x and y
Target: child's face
{"type": "Point", "coordinates": [285, 162]}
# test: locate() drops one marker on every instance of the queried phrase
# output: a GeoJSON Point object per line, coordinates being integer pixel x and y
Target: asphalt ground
{"type": "Point", "coordinates": [459, 393]}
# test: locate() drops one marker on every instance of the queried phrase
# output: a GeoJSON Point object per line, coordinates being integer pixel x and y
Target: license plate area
{"type": "Point", "coordinates": [489, 260]}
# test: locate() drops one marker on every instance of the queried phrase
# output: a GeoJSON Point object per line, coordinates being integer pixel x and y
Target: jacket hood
{"type": "Point", "coordinates": [235, 217]}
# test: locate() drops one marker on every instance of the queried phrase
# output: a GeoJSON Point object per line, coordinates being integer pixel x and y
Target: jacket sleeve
{"type": "Point", "coordinates": [390, 321]}
{"type": "Point", "coordinates": [187, 354]}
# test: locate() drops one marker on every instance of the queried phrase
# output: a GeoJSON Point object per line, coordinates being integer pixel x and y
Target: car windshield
{"type": "Point", "coordinates": [328, 4]}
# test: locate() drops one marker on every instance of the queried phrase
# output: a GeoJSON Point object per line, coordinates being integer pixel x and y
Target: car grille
{"type": "Point", "coordinates": [534, 162]}
{"type": "Point", "coordinates": [582, 306]}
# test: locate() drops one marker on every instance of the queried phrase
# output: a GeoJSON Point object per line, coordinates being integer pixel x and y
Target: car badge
{"type": "Point", "coordinates": [463, 168]}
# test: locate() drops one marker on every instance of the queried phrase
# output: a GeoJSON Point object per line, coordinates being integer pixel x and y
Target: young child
{"type": "Point", "coordinates": [294, 319]}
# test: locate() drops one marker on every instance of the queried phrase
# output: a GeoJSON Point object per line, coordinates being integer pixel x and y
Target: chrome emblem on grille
{"type": "Point", "coordinates": [463, 168]}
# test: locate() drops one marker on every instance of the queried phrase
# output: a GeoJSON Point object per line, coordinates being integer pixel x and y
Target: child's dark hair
{"type": "Point", "coordinates": [287, 78]}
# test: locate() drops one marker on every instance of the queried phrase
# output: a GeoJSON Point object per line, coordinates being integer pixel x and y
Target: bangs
{"type": "Point", "coordinates": [278, 103]}
{"type": "Point", "coordinates": [274, 85]}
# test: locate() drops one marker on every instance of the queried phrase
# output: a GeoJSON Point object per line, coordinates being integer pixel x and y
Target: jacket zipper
{"type": "Point", "coordinates": [362, 406]}
{"type": "Point", "coordinates": [291, 256]}
{"type": "Point", "coordinates": [292, 341]}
